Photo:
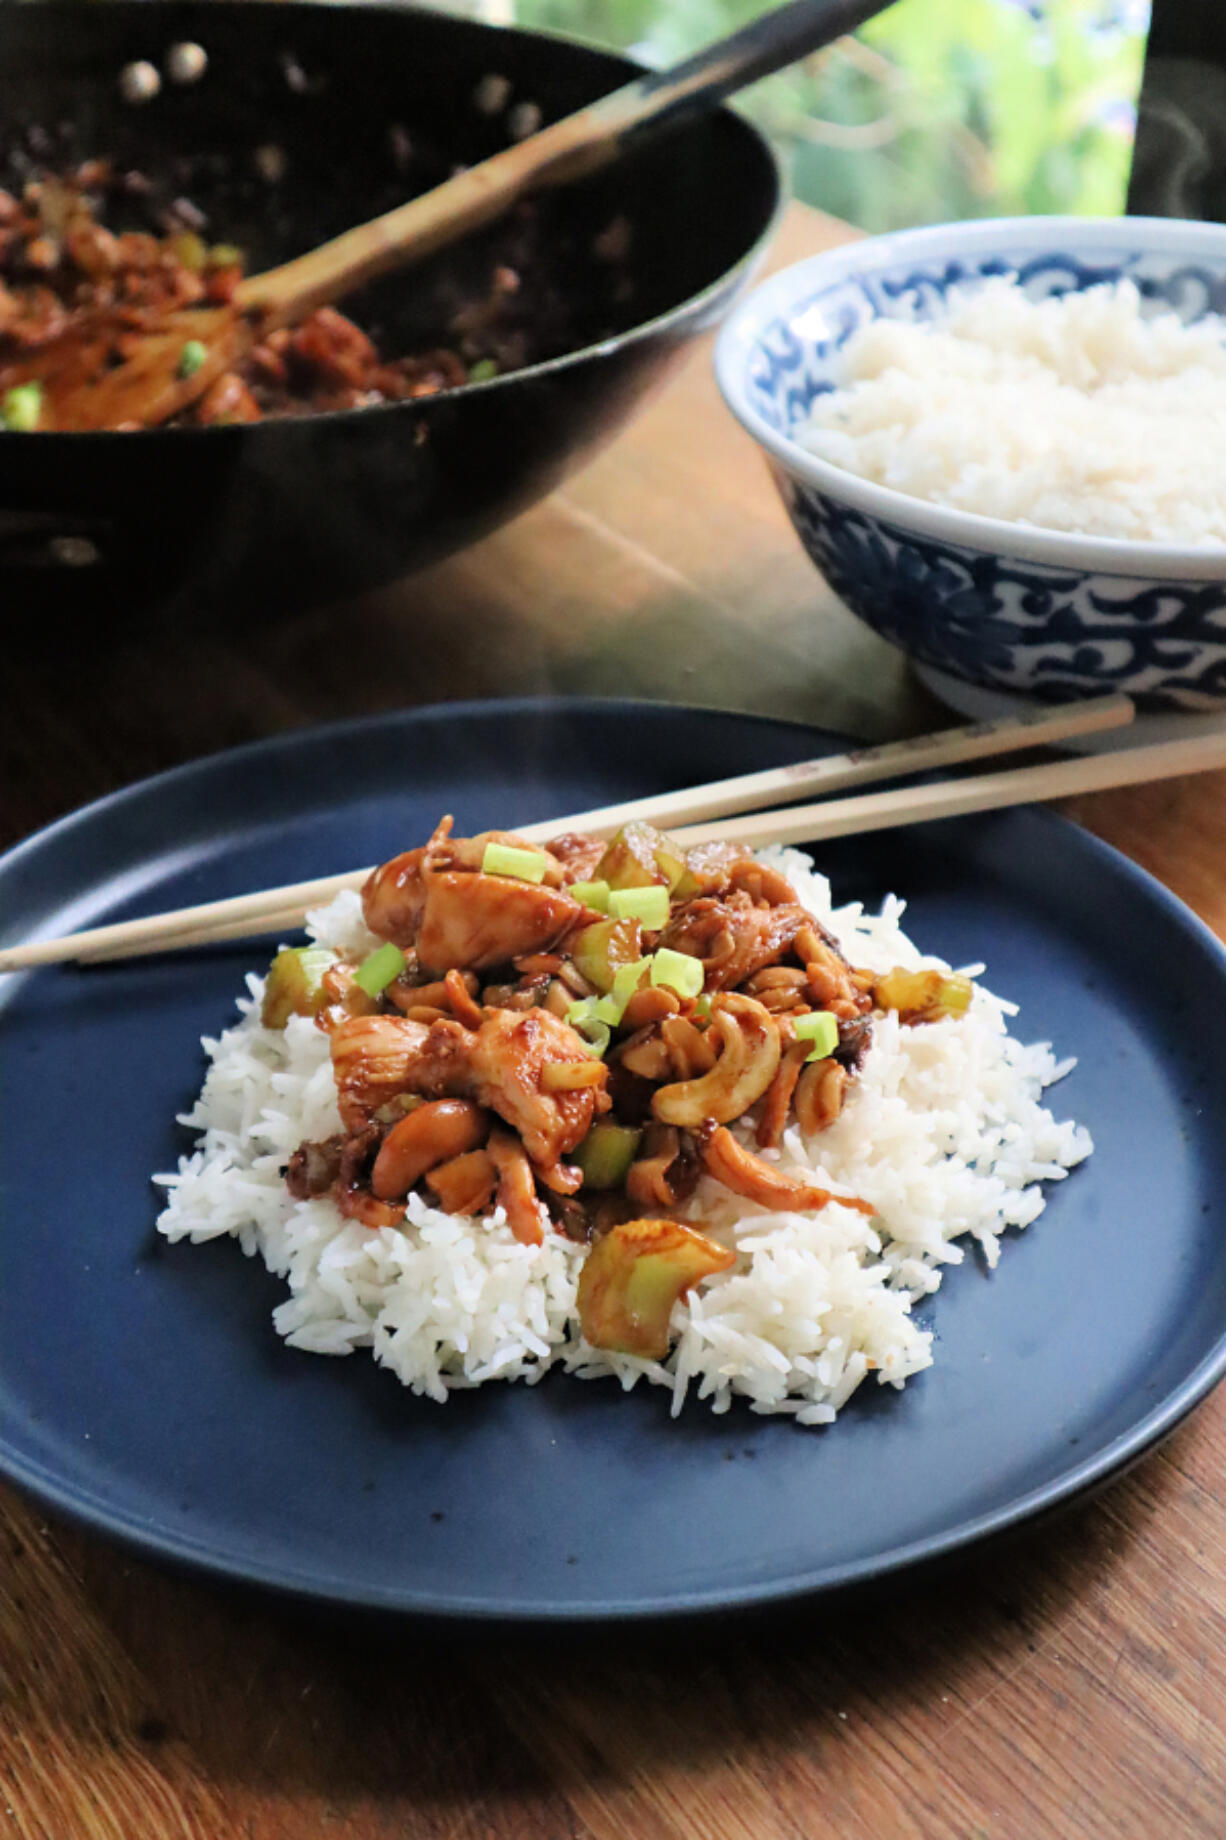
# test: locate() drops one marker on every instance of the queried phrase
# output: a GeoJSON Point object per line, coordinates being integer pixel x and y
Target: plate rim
{"type": "Point", "coordinates": [81, 1506]}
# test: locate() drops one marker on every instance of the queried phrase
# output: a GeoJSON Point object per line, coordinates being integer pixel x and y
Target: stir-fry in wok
{"type": "Point", "coordinates": [571, 1033]}
{"type": "Point", "coordinates": [62, 270]}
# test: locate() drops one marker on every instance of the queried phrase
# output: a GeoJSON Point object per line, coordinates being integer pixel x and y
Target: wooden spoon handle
{"type": "Point", "coordinates": [444, 215]}
{"type": "Point", "coordinates": [765, 45]}
{"type": "Point", "coordinates": [577, 144]}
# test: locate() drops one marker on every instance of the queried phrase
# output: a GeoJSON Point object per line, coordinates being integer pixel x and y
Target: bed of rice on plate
{"type": "Point", "coordinates": [944, 1131]}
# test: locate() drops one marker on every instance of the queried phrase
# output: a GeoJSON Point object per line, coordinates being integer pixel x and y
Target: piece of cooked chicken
{"type": "Point", "coordinates": [500, 1065]}
{"type": "Point", "coordinates": [438, 901]}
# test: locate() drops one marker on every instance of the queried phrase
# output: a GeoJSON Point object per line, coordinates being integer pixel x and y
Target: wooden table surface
{"type": "Point", "coordinates": [1071, 1683]}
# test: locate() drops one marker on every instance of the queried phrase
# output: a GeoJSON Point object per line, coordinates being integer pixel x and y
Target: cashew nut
{"type": "Point", "coordinates": [746, 1174]}
{"type": "Point", "coordinates": [516, 1188]}
{"type": "Point", "coordinates": [744, 1070]}
{"type": "Point", "coordinates": [819, 1095]}
{"type": "Point", "coordinates": [430, 1135]}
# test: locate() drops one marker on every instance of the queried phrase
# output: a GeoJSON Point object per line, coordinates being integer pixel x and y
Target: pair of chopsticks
{"type": "Point", "coordinates": [704, 813]}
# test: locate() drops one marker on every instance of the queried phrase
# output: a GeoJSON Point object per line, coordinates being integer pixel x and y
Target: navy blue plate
{"type": "Point", "coordinates": [143, 1391]}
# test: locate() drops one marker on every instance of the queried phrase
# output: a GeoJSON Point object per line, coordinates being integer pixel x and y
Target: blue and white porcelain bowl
{"type": "Point", "coordinates": [1009, 606]}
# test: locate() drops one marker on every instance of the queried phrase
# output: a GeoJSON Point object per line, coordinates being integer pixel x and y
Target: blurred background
{"type": "Point", "coordinates": [963, 108]}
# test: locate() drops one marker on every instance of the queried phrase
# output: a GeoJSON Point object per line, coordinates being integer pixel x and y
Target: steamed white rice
{"type": "Point", "coordinates": [944, 1132]}
{"type": "Point", "coordinates": [1081, 412]}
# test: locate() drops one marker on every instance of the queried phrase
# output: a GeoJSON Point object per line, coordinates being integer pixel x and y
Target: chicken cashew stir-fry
{"type": "Point", "coordinates": [570, 1034]}
{"type": "Point", "coordinates": [62, 271]}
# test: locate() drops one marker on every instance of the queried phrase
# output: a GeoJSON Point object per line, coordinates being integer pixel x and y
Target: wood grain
{"type": "Point", "coordinates": [1071, 1684]}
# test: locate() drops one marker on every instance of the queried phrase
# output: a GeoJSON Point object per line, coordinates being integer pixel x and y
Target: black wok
{"type": "Point", "coordinates": [360, 106]}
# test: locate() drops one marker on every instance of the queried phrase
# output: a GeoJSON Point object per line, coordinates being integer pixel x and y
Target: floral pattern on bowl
{"type": "Point", "coordinates": [1012, 607]}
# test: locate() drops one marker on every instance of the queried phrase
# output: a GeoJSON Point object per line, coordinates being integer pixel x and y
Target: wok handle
{"type": "Point", "coordinates": [578, 144]}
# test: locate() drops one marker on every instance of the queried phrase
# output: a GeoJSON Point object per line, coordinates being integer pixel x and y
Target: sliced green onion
{"type": "Point", "coordinates": [190, 250]}
{"type": "Point", "coordinates": [22, 407]}
{"type": "Point", "coordinates": [523, 865]}
{"type": "Point", "coordinates": [821, 1029]}
{"type": "Point", "coordinates": [609, 1010]}
{"type": "Point", "coordinates": [702, 1008]}
{"type": "Point", "coordinates": [376, 972]}
{"type": "Point", "coordinates": [192, 358]}
{"type": "Point", "coordinates": [295, 984]}
{"type": "Point", "coordinates": [584, 1018]}
{"type": "Point", "coordinates": [602, 947]}
{"type": "Point", "coordinates": [592, 894]}
{"type": "Point", "coordinates": [679, 971]}
{"type": "Point", "coordinates": [225, 255]}
{"type": "Point", "coordinates": [649, 906]}
{"type": "Point", "coordinates": [483, 370]}
{"type": "Point", "coordinates": [606, 1153]}
{"type": "Point", "coordinates": [626, 980]}
{"type": "Point", "coordinates": [956, 994]}
{"type": "Point", "coordinates": [597, 1035]}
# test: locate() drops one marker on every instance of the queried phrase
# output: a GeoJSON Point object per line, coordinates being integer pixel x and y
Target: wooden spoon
{"type": "Point", "coordinates": [104, 374]}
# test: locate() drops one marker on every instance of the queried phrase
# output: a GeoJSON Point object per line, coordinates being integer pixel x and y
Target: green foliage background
{"type": "Point", "coordinates": [938, 109]}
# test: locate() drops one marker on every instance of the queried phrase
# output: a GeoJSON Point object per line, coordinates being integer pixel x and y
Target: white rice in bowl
{"type": "Point", "coordinates": [944, 1131]}
{"type": "Point", "coordinates": [1083, 412]}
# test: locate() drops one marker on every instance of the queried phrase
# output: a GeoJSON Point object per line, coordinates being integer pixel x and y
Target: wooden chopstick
{"type": "Point", "coordinates": [1057, 779]}
{"type": "Point", "coordinates": [273, 908]}
{"type": "Point", "coordinates": [285, 920]}
{"type": "Point", "coordinates": [862, 767]}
